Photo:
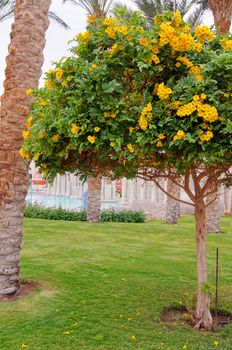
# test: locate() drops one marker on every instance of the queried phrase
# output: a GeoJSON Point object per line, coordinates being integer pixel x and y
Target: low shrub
{"type": "Point", "coordinates": [37, 212]}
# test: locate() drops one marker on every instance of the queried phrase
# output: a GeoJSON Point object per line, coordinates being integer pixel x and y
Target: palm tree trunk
{"type": "Point", "coordinates": [23, 70]}
{"type": "Point", "coordinates": [172, 206]}
{"type": "Point", "coordinates": [203, 315]}
{"type": "Point", "coordinates": [222, 13]}
{"type": "Point", "coordinates": [94, 199]}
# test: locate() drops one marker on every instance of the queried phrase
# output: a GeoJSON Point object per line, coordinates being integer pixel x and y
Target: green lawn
{"type": "Point", "coordinates": [104, 286]}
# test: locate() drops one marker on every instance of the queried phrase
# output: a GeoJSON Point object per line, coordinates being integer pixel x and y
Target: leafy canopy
{"type": "Point", "coordinates": [132, 96]}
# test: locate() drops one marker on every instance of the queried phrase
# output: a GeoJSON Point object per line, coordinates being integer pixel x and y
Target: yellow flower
{"type": "Point", "coordinates": [159, 143]}
{"type": "Point", "coordinates": [203, 33]}
{"type": "Point", "coordinates": [29, 121]}
{"type": "Point", "coordinates": [91, 139]}
{"type": "Point", "coordinates": [42, 135]}
{"type": "Point", "coordinates": [131, 129]}
{"type": "Point", "coordinates": [133, 337]}
{"type": "Point", "coordinates": [94, 66]}
{"type": "Point", "coordinates": [91, 19]}
{"type": "Point", "coordinates": [74, 129]}
{"type": "Point", "coordinates": [24, 346]}
{"type": "Point", "coordinates": [215, 343]}
{"type": "Point", "coordinates": [207, 112]}
{"type": "Point", "coordinates": [161, 136]}
{"type": "Point", "coordinates": [130, 318]}
{"type": "Point", "coordinates": [163, 92]}
{"type": "Point", "coordinates": [24, 154]}
{"type": "Point", "coordinates": [112, 144]}
{"type": "Point", "coordinates": [187, 109]}
{"type": "Point", "coordinates": [43, 102]}
{"type": "Point", "coordinates": [113, 115]}
{"type": "Point", "coordinates": [59, 74]}
{"type": "Point", "coordinates": [111, 32]}
{"type": "Point", "coordinates": [56, 138]}
{"type": "Point", "coordinates": [131, 148]}
{"type": "Point", "coordinates": [29, 92]}
{"type": "Point", "coordinates": [227, 44]}
{"type": "Point", "coordinates": [143, 123]}
{"type": "Point", "coordinates": [69, 78]}
{"type": "Point", "coordinates": [180, 135]}
{"type": "Point", "coordinates": [48, 84]}
{"type": "Point", "coordinates": [97, 129]}
{"type": "Point", "coordinates": [64, 83]}
{"type": "Point", "coordinates": [36, 156]}
{"type": "Point", "coordinates": [177, 18]}
{"type": "Point", "coordinates": [108, 21]}
{"type": "Point", "coordinates": [207, 136]}
{"type": "Point", "coordinates": [25, 134]}
{"type": "Point", "coordinates": [203, 96]}
{"type": "Point", "coordinates": [143, 41]}
{"type": "Point", "coordinates": [198, 47]}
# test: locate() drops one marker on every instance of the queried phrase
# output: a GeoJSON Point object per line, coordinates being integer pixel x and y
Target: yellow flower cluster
{"type": "Point", "coordinates": [143, 41]}
{"type": "Point", "coordinates": [108, 21]}
{"type": "Point", "coordinates": [196, 70]}
{"type": "Point", "coordinates": [187, 109]}
{"type": "Point", "coordinates": [179, 41]}
{"type": "Point", "coordinates": [175, 104]}
{"type": "Point", "coordinates": [84, 37]}
{"type": "Point", "coordinates": [56, 138]}
{"type": "Point", "coordinates": [91, 139]}
{"type": "Point", "coordinates": [146, 115]}
{"type": "Point", "coordinates": [185, 61]}
{"type": "Point", "coordinates": [159, 142]}
{"type": "Point", "coordinates": [112, 144]}
{"type": "Point", "coordinates": [226, 44]}
{"type": "Point", "coordinates": [153, 58]}
{"type": "Point", "coordinates": [91, 19]}
{"type": "Point", "coordinates": [207, 136]}
{"type": "Point", "coordinates": [29, 121]}
{"type": "Point", "coordinates": [75, 129]}
{"type": "Point", "coordinates": [59, 73]}
{"type": "Point", "coordinates": [29, 92]}
{"type": "Point", "coordinates": [111, 115]}
{"type": "Point", "coordinates": [207, 112]}
{"type": "Point", "coordinates": [131, 148]}
{"type": "Point", "coordinates": [24, 154]}
{"type": "Point", "coordinates": [203, 33]}
{"type": "Point", "coordinates": [163, 92]}
{"type": "Point", "coordinates": [97, 129]}
{"type": "Point", "coordinates": [48, 84]}
{"type": "Point", "coordinates": [177, 19]}
{"type": "Point", "coordinates": [180, 135]}
{"type": "Point", "coordinates": [25, 134]}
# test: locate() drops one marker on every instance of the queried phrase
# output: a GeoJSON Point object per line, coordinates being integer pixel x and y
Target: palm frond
{"type": "Point", "coordinates": [6, 9]}
{"type": "Point", "coordinates": [195, 17]}
{"type": "Point", "coordinates": [94, 7]}
{"type": "Point", "coordinates": [119, 6]}
{"type": "Point", "coordinates": [53, 16]}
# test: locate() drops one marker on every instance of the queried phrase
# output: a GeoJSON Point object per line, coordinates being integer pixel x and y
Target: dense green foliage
{"type": "Point", "coordinates": [102, 284]}
{"type": "Point", "coordinates": [132, 96]}
{"type": "Point", "coordinates": [38, 212]}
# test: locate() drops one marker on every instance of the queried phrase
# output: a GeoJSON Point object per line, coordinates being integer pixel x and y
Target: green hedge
{"type": "Point", "coordinates": [109, 215]}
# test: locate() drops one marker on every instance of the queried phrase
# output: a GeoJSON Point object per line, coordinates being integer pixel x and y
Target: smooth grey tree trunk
{"type": "Point", "coordinates": [172, 206]}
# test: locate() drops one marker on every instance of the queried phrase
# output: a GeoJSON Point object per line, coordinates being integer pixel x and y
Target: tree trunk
{"type": "Point", "coordinates": [23, 70]}
{"type": "Point", "coordinates": [172, 206]}
{"type": "Point", "coordinates": [222, 13]}
{"type": "Point", "coordinates": [94, 199]}
{"type": "Point", "coordinates": [203, 315]}
{"type": "Point", "coordinates": [213, 214]}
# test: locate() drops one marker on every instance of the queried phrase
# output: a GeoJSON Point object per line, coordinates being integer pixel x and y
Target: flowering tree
{"type": "Point", "coordinates": [135, 101]}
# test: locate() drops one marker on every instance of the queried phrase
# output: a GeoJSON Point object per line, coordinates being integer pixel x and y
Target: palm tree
{"type": "Point", "coordinates": [23, 71]}
{"type": "Point", "coordinates": [7, 11]}
{"type": "Point", "coordinates": [97, 8]}
{"type": "Point", "coordinates": [151, 8]}
{"type": "Point", "coordinates": [222, 13]}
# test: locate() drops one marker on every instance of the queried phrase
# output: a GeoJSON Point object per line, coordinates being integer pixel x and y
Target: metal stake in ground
{"type": "Point", "coordinates": [216, 296]}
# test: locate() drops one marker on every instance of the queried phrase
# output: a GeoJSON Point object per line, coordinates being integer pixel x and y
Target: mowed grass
{"type": "Point", "coordinates": [105, 286]}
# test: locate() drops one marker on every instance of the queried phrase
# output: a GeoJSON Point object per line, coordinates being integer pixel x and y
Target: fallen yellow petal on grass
{"type": "Point", "coordinates": [66, 333]}
{"type": "Point", "coordinates": [215, 343]}
{"type": "Point", "coordinates": [24, 346]}
{"type": "Point", "coordinates": [133, 337]}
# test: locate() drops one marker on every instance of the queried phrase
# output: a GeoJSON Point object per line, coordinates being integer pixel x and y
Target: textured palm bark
{"type": "Point", "coordinates": [213, 214]}
{"type": "Point", "coordinates": [203, 316]}
{"type": "Point", "coordinates": [222, 13]}
{"type": "Point", "coordinates": [94, 199]}
{"type": "Point", "coordinates": [23, 71]}
{"type": "Point", "coordinates": [172, 205]}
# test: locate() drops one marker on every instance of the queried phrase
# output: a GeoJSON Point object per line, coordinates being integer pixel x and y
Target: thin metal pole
{"type": "Point", "coordinates": [216, 296]}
